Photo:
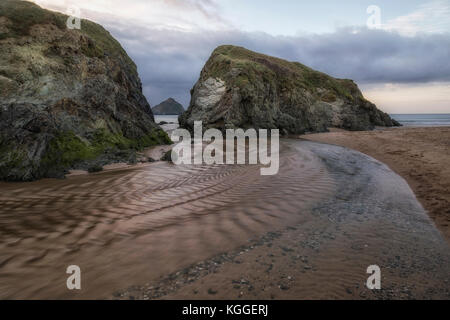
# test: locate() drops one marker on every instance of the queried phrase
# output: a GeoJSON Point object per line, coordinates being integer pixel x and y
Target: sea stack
{"type": "Point", "coordinates": [168, 107]}
{"type": "Point", "coordinates": [68, 98]}
{"type": "Point", "coordinates": [239, 88]}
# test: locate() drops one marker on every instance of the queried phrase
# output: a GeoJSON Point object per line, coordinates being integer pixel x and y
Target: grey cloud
{"type": "Point", "coordinates": [169, 62]}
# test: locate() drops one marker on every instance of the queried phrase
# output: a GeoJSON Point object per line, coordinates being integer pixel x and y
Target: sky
{"type": "Point", "coordinates": [397, 51]}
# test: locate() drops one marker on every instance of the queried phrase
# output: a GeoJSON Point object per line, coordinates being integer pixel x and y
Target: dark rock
{"type": "Point", "coordinates": [95, 168]}
{"type": "Point", "coordinates": [212, 291]}
{"type": "Point", "coordinates": [239, 88]}
{"type": "Point", "coordinates": [69, 99]}
{"type": "Point", "coordinates": [167, 156]}
{"type": "Point", "coordinates": [168, 107]}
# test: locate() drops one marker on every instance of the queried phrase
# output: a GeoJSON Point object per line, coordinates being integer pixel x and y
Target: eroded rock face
{"type": "Point", "coordinates": [68, 98]}
{"type": "Point", "coordinates": [239, 88]}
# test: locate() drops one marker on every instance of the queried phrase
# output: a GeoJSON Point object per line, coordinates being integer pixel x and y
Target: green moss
{"type": "Point", "coordinates": [23, 15]}
{"type": "Point", "coordinates": [104, 43]}
{"type": "Point", "coordinates": [67, 149]}
{"type": "Point", "coordinates": [156, 137]}
{"type": "Point", "coordinates": [102, 139]}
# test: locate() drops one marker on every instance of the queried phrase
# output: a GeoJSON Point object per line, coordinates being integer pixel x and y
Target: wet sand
{"type": "Point", "coordinates": [131, 225]}
{"type": "Point", "coordinates": [163, 231]}
{"type": "Point", "coordinates": [420, 155]}
{"type": "Point", "coordinates": [372, 218]}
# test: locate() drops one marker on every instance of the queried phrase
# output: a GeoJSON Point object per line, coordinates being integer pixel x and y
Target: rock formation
{"type": "Point", "coordinates": [168, 107]}
{"type": "Point", "coordinates": [239, 88]}
{"type": "Point", "coordinates": [68, 98]}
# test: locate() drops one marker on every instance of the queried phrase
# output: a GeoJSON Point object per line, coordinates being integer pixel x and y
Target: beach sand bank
{"type": "Point", "coordinates": [372, 217]}
{"type": "Point", "coordinates": [156, 230]}
{"type": "Point", "coordinates": [420, 155]}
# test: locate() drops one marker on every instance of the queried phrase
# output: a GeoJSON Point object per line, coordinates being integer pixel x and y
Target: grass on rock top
{"type": "Point", "coordinates": [280, 73]}
{"type": "Point", "coordinates": [23, 15]}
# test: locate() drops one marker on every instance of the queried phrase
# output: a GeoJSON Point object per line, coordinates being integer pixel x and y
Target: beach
{"type": "Point", "coordinates": [371, 216]}
{"type": "Point", "coordinates": [160, 231]}
{"type": "Point", "coordinates": [420, 155]}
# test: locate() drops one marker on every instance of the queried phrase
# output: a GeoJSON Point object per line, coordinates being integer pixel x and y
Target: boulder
{"type": "Point", "coordinates": [69, 99]}
{"type": "Point", "coordinates": [239, 88]}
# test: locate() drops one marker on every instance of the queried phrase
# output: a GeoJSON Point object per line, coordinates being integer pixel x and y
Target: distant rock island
{"type": "Point", "coordinates": [168, 107]}
{"type": "Point", "coordinates": [239, 88]}
{"type": "Point", "coordinates": [68, 98]}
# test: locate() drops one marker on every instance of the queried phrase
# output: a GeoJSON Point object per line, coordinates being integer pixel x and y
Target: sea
{"type": "Point", "coordinates": [423, 120]}
{"type": "Point", "coordinates": [408, 120]}
{"type": "Point", "coordinates": [168, 119]}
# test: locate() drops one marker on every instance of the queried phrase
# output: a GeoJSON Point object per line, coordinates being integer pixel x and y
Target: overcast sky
{"type": "Point", "coordinates": [400, 61]}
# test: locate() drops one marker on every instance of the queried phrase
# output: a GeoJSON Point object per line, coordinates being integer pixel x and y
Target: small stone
{"type": "Point", "coordinates": [212, 291]}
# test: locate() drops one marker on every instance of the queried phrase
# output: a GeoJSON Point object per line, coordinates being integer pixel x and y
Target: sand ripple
{"type": "Point", "coordinates": [131, 225]}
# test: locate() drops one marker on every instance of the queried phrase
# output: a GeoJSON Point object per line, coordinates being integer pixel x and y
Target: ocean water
{"type": "Point", "coordinates": [410, 120]}
{"type": "Point", "coordinates": [423, 120]}
{"type": "Point", "coordinates": [167, 119]}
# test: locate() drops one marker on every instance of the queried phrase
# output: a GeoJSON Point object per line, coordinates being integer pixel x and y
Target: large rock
{"type": "Point", "coordinates": [68, 98]}
{"type": "Point", "coordinates": [168, 107]}
{"type": "Point", "coordinates": [239, 88]}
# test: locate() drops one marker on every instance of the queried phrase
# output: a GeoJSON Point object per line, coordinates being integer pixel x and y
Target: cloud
{"type": "Point", "coordinates": [186, 15]}
{"type": "Point", "coordinates": [430, 17]}
{"type": "Point", "coordinates": [170, 61]}
{"type": "Point", "coordinates": [170, 47]}
{"type": "Point", "coordinates": [411, 98]}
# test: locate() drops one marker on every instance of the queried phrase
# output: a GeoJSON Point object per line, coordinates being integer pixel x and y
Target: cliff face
{"type": "Point", "coordinates": [239, 88]}
{"type": "Point", "coordinates": [168, 107]}
{"type": "Point", "coordinates": [68, 98]}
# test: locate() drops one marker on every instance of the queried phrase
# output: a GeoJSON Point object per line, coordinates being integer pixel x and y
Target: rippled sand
{"type": "Point", "coordinates": [371, 218]}
{"type": "Point", "coordinates": [129, 226]}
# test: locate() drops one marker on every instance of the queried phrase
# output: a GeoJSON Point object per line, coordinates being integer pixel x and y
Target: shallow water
{"type": "Point", "coordinates": [423, 120]}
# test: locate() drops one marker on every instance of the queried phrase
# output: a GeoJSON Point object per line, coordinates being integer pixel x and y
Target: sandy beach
{"type": "Point", "coordinates": [372, 216]}
{"type": "Point", "coordinates": [420, 155]}
{"type": "Point", "coordinates": [160, 231]}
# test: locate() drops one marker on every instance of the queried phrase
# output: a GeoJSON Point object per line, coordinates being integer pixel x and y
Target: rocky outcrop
{"type": "Point", "coordinates": [239, 88]}
{"type": "Point", "coordinates": [68, 98]}
{"type": "Point", "coordinates": [168, 107]}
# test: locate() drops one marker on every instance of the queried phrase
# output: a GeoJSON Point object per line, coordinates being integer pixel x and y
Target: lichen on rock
{"type": "Point", "coordinates": [239, 88]}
